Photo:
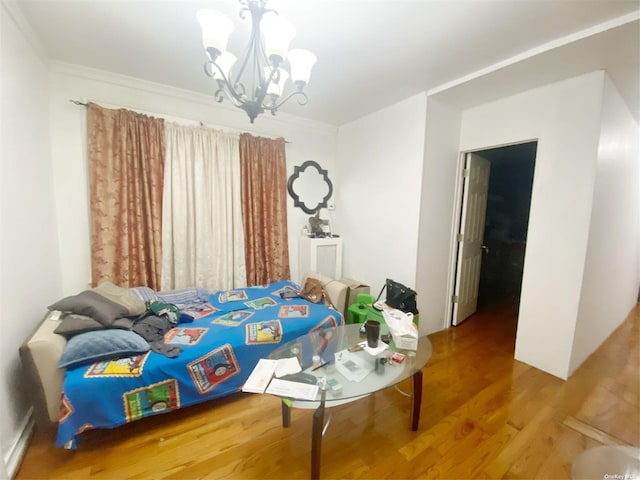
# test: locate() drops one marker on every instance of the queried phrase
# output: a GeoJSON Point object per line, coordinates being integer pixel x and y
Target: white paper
{"type": "Point", "coordinates": [287, 366]}
{"type": "Point", "coordinates": [260, 376]}
{"type": "Point", "coordinates": [353, 366]}
{"type": "Point", "coordinates": [289, 389]}
{"type": "Point", "coordinates": [375, 351]}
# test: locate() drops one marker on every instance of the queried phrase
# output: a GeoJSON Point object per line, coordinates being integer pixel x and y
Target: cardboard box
{"type": "Point", "coordinates": [342, 293]}
{"type": "Point", "coordinates": [354, 287]}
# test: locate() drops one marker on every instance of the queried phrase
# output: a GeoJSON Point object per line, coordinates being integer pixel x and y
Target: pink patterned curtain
{"type": "Point", "coordinates": [126, 160]}
{"type": "Point", "coordinates": [263, 174]}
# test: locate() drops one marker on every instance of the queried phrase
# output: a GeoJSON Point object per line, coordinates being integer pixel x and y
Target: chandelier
{"type": "Point", "coordinates": [258, 85]}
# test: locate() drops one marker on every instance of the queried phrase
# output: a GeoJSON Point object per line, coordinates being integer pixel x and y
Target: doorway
{"type": "Point", "coordinates": [505, 218]}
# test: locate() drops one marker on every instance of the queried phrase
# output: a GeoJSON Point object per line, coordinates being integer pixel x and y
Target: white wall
{"type": "Point", "coordinates": [379, 173]}
{"type": "Point", "coordinates": [308, 141]}
{"type": "Point", "coordinates": [610, 283]}
{"type": "Point", "coordinates": [30, 266]}
{"type": "Point", "coordinates": [565, 118]}
{"type": "Point", "coordinates": [437, 214]}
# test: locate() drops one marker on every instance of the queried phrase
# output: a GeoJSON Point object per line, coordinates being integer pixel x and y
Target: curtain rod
{"type": "Point", "coordinates": [202, 124]}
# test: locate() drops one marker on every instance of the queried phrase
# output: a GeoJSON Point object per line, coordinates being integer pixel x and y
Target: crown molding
{"type": "Point", "coordinates": [146, 86]}
{"type": "Point", "coordinates": [545, 47]}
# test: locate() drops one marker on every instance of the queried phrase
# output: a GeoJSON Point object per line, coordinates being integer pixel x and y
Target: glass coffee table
{"type": "Point", "coordinates": [332, 358]}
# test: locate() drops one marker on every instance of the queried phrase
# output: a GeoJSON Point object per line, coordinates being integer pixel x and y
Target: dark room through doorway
{"type": "Point", "coordinates": [506, 222]}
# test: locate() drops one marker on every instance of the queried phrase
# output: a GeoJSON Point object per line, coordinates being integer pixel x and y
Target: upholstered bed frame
{"type": "Point", "coordinates": [40, 354]}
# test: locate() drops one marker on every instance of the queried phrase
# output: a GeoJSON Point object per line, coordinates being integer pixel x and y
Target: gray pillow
{"type": "Point", "coordinates": [91, 347]}
{"type": "Point", "coordinates": [93, 305]}
{"type": "Point", "coordinates": [73, 324]}
{"type": "Point", "coordinates": [122, 296]}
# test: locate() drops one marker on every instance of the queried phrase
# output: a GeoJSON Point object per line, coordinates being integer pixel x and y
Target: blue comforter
{"type": "Point", "coordinates": [219, 351]}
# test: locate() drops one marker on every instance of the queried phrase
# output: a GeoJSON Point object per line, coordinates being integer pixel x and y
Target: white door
{"type": "Point", "coordinates": [474, 208]}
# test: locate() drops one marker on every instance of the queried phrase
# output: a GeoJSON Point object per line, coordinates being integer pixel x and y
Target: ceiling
{"type": "Point", "coordinates": [371, 53]}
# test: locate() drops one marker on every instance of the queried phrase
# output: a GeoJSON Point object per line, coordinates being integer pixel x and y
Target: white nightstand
{"type": "Point", "coordinates": [321, 255]}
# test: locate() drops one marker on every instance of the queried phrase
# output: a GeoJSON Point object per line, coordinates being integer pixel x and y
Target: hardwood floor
{"type": "Point", "coordinates": [484, 415]}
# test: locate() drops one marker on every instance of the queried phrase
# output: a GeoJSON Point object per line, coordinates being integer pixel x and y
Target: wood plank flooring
{"type": "Point", "coordinates": [484, 415]}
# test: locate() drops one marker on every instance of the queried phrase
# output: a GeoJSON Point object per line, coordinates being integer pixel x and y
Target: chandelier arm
{"type": "Point", "coordinates": [224, 92]}
{"type": "Point", "coordinates": [230, 91]}
{"type": "Point", "coordinates": [219, 95]}
{"type": "Point", "coordinates": [302, 101]}
{"type": "Point", "coordinates": [275, 73]}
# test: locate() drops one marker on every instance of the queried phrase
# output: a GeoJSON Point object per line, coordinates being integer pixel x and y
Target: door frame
{"type": "Point", "coordinates": [457, 217]}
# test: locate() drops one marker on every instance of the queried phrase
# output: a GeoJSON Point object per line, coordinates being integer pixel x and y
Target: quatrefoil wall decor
{"type": "Point", "coordinates": [310, 187]}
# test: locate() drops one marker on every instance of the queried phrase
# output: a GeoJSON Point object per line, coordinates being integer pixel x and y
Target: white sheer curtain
{"type": "Point", "coordinates": [202, 233]}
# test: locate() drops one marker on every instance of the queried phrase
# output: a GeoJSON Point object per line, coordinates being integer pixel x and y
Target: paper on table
{"type": "Point", "coordinates": [353, 366]}
{"type": "Point", "coordinates": [287, 366]}
{"type": "Point", "coordinates": [260, 376]}
{"type": "Point", "coordinates": [289, 389]}
{"type": "Point", "coordinates": [375, 351]}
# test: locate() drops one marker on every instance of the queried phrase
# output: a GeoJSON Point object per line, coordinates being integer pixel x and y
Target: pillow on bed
{"type": "Point", "coordinates": [122, 296]}
{"type": "Point", "coordinates": [146, 294]}
{"type": "Point", "coordinates": [93, 305]}
{"type": "Point", "coordinates": [106, 344]}
{"type": "Point", "coordinates": [73, 324]}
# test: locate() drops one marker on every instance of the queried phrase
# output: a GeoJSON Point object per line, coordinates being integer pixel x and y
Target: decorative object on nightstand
{"type": "Point", "coordinates": [317, 225]}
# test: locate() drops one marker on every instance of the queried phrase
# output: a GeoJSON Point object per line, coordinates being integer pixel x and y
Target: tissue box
{"type": "Point", "coordinates": [406, 342]}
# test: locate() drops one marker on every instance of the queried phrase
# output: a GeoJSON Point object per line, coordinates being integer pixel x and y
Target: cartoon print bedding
{"type": "Point", "coordinates": [219, 351]}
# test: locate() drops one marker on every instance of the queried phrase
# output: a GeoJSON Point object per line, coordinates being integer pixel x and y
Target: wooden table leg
{"type": "Point", "coordinates": [416, 399]}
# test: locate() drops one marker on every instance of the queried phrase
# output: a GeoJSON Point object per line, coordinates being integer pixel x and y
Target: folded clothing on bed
{"type": "Point", "coordinates": [192, 302]}
{"type": "Point", "coordinates": [153, 328]}
{"type": "Point", "coordinates": [184, 297]}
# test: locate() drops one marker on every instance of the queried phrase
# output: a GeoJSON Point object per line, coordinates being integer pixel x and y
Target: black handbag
{"type": "Point", "coordinates": [400, 297]}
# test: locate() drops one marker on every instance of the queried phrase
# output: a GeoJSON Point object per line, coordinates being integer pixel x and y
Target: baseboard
{"type": "Point", "coordinates": [14, 457]}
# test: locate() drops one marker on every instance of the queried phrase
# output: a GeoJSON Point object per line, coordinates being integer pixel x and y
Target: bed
{"type": "Point", "coordinates": [218, 348]}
